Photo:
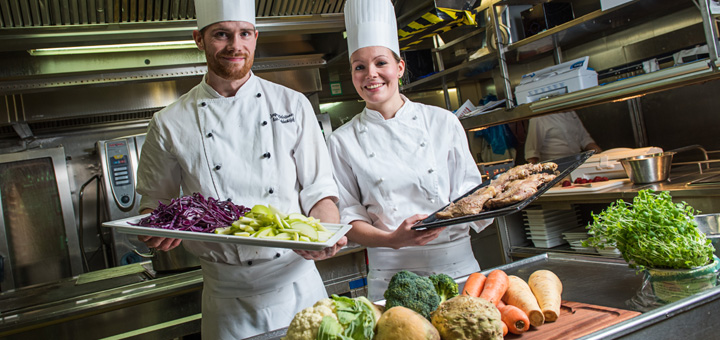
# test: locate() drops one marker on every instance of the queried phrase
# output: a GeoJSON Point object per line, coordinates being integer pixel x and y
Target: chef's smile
{"type": "Point", "coordinates": [374, 87]}
{"type": "Point", "coordinates": [235, 59]}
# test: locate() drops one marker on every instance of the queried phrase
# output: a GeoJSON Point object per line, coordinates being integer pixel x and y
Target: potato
{"type": "Point", "coordinates": [400, 323]}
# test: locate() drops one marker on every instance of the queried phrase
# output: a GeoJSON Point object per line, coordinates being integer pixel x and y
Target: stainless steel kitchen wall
{"type": "Point", "coordinates": [77, 117]}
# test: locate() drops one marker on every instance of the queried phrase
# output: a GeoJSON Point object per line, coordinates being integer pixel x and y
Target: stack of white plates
{"type": "Point", "coordinates": [545, 228]}
{"type": "Point", "coordinates": [576, 237]}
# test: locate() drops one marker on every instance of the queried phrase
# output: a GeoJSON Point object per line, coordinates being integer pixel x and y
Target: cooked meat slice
{"type": "Point", "coordinates": [469, 205]}
{"type": "Point", "coordinates": [548, 166]}
{"type": "Point", "coordinates": [499, 190]}
{"type": "Point", "coordinates": [520, 172]}
{"type": "Point", "coordinates": [519, 190]}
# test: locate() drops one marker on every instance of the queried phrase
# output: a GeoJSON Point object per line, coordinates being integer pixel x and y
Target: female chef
{"type": "Point", "coordinates": [398, 161]}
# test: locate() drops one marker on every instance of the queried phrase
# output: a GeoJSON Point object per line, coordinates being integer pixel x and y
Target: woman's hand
{"type": "Point", "coordinates": [160, 243]}
{"type": "Point", "coordinates": [403, 236]}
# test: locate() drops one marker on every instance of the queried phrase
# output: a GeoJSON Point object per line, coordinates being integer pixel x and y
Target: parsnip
{"type": "Point", "coordinates": [520, 295]}
{"type": "Point", "coordinates": [547, 288]}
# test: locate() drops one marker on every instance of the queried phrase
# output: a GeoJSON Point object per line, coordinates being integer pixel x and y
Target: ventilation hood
{"type": "Point", "coordinates": [294, 34]}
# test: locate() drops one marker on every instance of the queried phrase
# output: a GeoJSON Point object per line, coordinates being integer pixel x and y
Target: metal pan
{"type": "Point", "coordinates": [565, 166]}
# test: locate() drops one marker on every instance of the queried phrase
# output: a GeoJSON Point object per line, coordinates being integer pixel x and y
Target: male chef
{"type": "Point", "coordinates": [236, 136]}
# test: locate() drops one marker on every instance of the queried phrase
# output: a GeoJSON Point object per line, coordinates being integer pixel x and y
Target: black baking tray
{"type": "Point", "coordinates": [565, 166]}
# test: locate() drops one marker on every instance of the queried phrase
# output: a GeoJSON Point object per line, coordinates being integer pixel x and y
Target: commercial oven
{"type": "Point", "coordinates": [38, 233]}
{"type": "Point", "coordinates": [119, 160]}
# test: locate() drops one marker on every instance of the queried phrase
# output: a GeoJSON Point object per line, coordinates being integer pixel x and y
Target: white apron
{"type": "Point", "coordinates": [262, 297]}
{"type": "Point", "coordinates": [454, 259]}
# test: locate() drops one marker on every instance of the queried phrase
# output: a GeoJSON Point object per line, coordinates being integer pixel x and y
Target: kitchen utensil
{"type": "Point", "coordinates": [648, 168]}
{"type": "Point", "coordinates": [176, 259]}
{"type": "Point", "coordinates": [709, 224]}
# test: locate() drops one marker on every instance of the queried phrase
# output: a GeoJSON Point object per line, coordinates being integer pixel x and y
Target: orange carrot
{"type": "Point", "coordinates": [516, 320]}
{"type": "Point", "coordinates": [495, 286]}
{"type": "Point", "coordinates": [474, 285]}
{"type": "Point", "coordinates": [505, 328]}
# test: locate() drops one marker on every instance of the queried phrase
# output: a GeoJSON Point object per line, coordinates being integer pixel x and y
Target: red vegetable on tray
{"type": "Point", "coordinates": [194, 213]}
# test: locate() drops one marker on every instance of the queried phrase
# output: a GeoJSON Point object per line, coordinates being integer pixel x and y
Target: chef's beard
{"type": "Point", "coordinates": [229, 72]}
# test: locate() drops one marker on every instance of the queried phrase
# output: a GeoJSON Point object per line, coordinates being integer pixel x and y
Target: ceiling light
{"type": "Point", "coordinates": [152, 46]}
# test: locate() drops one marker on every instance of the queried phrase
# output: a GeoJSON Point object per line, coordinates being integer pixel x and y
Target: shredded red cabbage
{"type": "Point", "coordinates": [194, 213]}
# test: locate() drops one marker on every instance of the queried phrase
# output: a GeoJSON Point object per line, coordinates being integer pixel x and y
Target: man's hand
{"type": "Point", "coordinates": [160, 243]}
{"type": "Point", "coordinates": [325, 253]}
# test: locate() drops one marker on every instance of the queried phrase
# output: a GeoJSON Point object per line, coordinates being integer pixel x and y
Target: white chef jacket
{"type": "Point", "coordinates": [261, 146]}
{"type": "Point", "coordinates": [389, 170]}
{"type": "Point", "coordinates": [555, 136]}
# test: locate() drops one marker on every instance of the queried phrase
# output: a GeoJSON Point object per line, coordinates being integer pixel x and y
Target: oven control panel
{"type": "Point", "coordinates": [120, 172]}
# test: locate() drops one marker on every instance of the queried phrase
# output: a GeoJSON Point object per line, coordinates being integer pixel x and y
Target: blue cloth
{"type": "Point", "coordinates": [499, 136]}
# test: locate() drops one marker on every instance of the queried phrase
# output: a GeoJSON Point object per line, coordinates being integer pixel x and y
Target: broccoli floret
{"type": "Point", "coordinates": [412, 291]}
{"type": "Point", "coordinates": [445, 286]}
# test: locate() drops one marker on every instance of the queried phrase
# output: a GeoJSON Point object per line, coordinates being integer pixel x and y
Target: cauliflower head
{"type": "Point", "coordinates": [305, 324]}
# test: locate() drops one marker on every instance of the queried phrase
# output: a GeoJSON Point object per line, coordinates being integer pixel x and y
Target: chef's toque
{"type": "Point", "coordinates": [212, 11]}
{"type": "Point", "coordinates": [371, 23]}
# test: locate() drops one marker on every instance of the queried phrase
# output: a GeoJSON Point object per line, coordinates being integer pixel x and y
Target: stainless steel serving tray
{"type": "Point", "coordinates": [123, 226]}
{"type": "Point", "coordinates": [565, 166]}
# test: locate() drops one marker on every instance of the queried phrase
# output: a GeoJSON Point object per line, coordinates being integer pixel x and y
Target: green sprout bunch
{"type": "Point", "coordinates": [652, 232]}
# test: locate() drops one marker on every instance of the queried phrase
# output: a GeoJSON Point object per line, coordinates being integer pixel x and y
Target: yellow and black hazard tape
{"type": "Point", "coordinates": [438, 20]}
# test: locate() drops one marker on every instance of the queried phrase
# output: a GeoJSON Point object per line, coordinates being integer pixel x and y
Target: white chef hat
{"type": "Point", "coordinates": [212, 11]}
{"type": "Point", "coordinates": [371, 23]}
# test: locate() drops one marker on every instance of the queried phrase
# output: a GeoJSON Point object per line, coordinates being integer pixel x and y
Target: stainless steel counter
{"type": "Point", "coordinates": [109, 303]}
{"type": "Point", "coordinates": [610, 282]}
{"type": "Point", "coordinates": [679, 184]}
{"type": "Point", "coordinates": [135, 301]}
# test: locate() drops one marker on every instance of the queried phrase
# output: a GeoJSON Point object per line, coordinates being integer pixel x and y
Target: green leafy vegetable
{"type": "Point", "coordinates": [652, 232]}
{"type": "Point", "coordinates": [330, 329]}
{"type": "Point", "coordinates": [355, 320]}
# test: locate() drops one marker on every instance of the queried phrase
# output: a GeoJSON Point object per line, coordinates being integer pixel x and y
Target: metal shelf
{"type": "Point", "coordinates": [584, 27]}
{"type": "Point", "coordinates": [596, 22]}
{"type": "Point", "coordinates": [683, 75]}
{"type": "Point", "coordinates": [456, 72]}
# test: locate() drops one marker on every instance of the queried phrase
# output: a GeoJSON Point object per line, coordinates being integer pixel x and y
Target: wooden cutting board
{"type": "Point", "coordinates": [576, 319]}
{"type": "Point", "coordinates": [587, 187]}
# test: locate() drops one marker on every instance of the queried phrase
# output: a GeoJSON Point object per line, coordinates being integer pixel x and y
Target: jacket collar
{"type": "Point", "coordinates": [245, 90]}
{"type": "Point", "coordinates": [401, 114]}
